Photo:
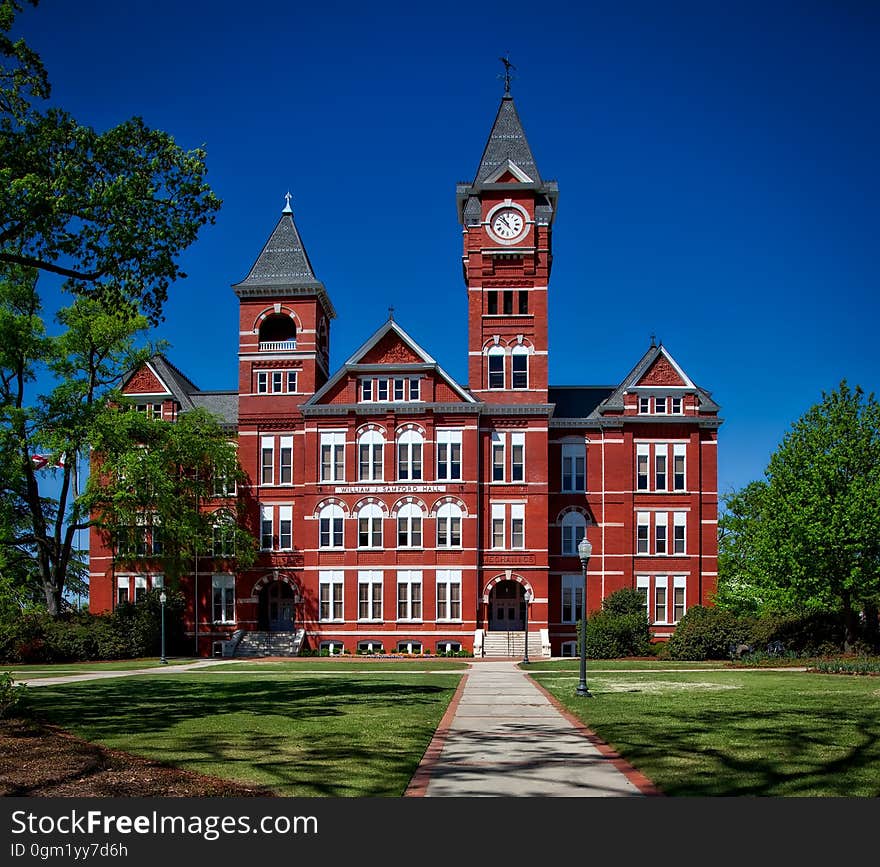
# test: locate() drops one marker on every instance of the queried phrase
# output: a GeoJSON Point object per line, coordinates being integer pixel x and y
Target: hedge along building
{"type": "Point", "coordinates": [398, 509]}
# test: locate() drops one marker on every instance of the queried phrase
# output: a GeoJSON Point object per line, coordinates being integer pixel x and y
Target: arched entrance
{"type": "Point", "coordinates": [277, 612]}
{"type": "Point", "coordinates": [507, 607]}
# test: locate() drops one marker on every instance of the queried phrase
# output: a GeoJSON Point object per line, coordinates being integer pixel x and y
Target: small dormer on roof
{"type": "Point", "coordinates": [283, 266]}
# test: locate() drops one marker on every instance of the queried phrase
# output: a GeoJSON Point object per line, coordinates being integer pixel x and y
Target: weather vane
{"type": "Point", "coordinates": [287, 208]}
{"type": "Point", "coordinates": [507, 76]}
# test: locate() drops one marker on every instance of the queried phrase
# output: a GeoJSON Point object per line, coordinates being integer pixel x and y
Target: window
{"type": "Point", "coordinates": [572, 598]}
{"type": "Point", "coordinates": [366, 389]}
{"type": "Point", "coordinates": [415, 389]}
{"type": "Point", "coordinates": [263, 382]}
{"type": "Point", "coordinates": [517, 457]}
{"type": "Point", "coordinates": [223, 485]}
{"type": "Point", "coordinates": [158, 582]}
{"type": "Point", "coordinates": [122, 582]}
{"type": "Point", "coordinates": [285, 528]}
{"type": "Point", "coordinates": [371, 450]}
{"type": "Point", "coordinates": [370, 526]}
{"type": "Point", "coordinates": [643, 523]}
{"type": "Point", "coordinates": [660, 522]}
{"type": "Point", "coordinates": [369, 596]}
{"type": "Point", "coordinates": [496, 367]}
{"type": "Point", "coordinates": [498, 525]}
{"type": "Point", "coordinates": [330, 586]}
{"type": "Point", "coordinates": [679, 520]}
{"type": "Point", "coordinates": [508, 302]}
{"type": "Point", "coordinates": [382, 390]}
{"type": "Point", "coordinates": [574, 457]}
{"type": "Point", "coordinates": [449, 526]}
{"type": "Point", "coordinates": [223, 590]}
{"type": "Point", "coordinates": [409, 646]}
{"type": "Point", "coordinates": [568, 648]}
{"type": "Point", "coordinates": [492, 302]}
{"type": "Point", "coordinates": [518, 525]}
{"type": "Point", "coordinates": [449, 594]}
{"type": "Point", "coordinates": [409, 526]}
{"type": "Point", "coordinates": [574, 528]}
{"type": "Point", "coordinates": [676, 405]}
{"type": "Point", "coordinates": [497, 457]}
{"type": "Point", "coordinates": [330, 526]}
{"type": "Point", "coordinates": [679, 450]}
{"type": "Point", "coordinates": [370, 646]}
{"type": "Point", "coordinates": [448, 455]}
{"type": "Point", "coordinates": [643, 586]}
{"type": "Point", "coordinates": [409, 456]}
{"type": "Point", "coordinates": [399, 389]}
{"type": "Point", "coordinates": [660, 467]}
{"type": "Point", "coordinates": [266, 528]}
{"type": "Point", "coordinates": [267, 460]}
{"type": "Point", "coordinates": [291, 381]}
{"type": "Point", "coordinates": [286, 461]}
{"type": "Point", "coordinates": [679, 583]}
{"type": "Point", "coordinates": [448, 647]}
{"type": "Point", "coordinates": [150, 410]}
{"type": "Point", "coordinates": [644, 405]}
{"type": "Point", "coordinates": [660, 587]}
{"type": "Point", "coordinates": [409, 595]}
{"type": "Point", "coordinates": [140, 587]}
{"type": "Point", "coordinates": [643, 456]}
{"type": "Point", "coordinates": [333, 456]}
{"type": "Point", "coordinates": [519, 359]}
{"type": "Point", "coordinates": [333, 648]}
{"type": "Point", "coordinates": [523, 302]}
{"type": "Point", "coordinates": [660, 405]}
{"type": "Point", "coordinates": [223, 535]}
{"type": "Point", "coordinates": [277, 381]}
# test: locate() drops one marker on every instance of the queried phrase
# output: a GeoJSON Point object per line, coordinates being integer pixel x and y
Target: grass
{"type": "Point", "coordinates": [337, 736]}
{"type": "Point", "coordinates": [322, 664]}
{"type": "Point", "coordinates": [61, 669]}
{"type": "Point", "coordinates": [736, 732]}
{"type": "Point", "coordinates": [616, 665]}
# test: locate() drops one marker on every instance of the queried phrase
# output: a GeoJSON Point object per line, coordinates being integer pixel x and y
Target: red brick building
{"type": "Point", "coordinates": [399, 509]}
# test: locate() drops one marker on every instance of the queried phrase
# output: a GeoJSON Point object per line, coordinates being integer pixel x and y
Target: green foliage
{"type": "Point", "coordinates": [862, 665]}
{"type": "Point", "coordinates": [708, 633]}
{"type": "Point", "coordinates": [627, 600]}
{"type": "Point", "coordinates": [620, 629]}
{"type": "Point", "coordinates": [11, 695]}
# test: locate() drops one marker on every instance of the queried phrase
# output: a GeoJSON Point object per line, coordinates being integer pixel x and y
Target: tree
{"type": "Point", "coordinates": [174, 482]}
{"type": "Point", "coordinates": [109, 214]}
{"type": "Point", "coordinates": [808, 536]}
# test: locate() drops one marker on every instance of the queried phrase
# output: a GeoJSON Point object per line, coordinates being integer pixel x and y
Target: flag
{"type": "Point", "coordinates": [40, 462]}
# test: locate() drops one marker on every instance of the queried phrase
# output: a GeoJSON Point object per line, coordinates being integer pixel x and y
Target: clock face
{"type": "Point", "coordinates": [507, 224]}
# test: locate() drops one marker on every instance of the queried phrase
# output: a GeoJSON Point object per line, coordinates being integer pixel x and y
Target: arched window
{"type": "Point", "coordinates": [496, 367]}
{"type": "Point", "coordinates": [371, 450]}
{"type": "Point", "coordinates": [409, 456]}
{"type": "Point", "coordinates": [224, 534]}
{"type": "Point", "coordinates": [370, 526]}
{"type": "Point", "coordinates": [449, 526]}
{"type": "Point", "coordinates": [574, 527]}
{"type": "Point", "coordinates": [278, 328]}
{"type": "Point", "coordinates": [409, 526]}
{"type": "Point", "coordinates": [519, 358]}
{"type": "Point", "coordinates": [330, 523]}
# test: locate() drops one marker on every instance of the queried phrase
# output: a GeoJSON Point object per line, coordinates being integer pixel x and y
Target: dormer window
{"type": "Point", "coordinates": [676, 405]}
{"type": "Point", "coordinates": [644, 405]}
{"type": "Point", "coordinates": [660, 405]}
{"type": "Point", "coordinates": [399, 389]}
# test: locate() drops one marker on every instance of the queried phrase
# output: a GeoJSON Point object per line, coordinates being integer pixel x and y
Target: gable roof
{"type": "Point", "coordinates": [356, 362]}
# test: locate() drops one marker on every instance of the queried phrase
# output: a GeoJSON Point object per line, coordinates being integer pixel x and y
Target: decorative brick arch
{"type": "Point", "coordinates": [369, 427]}
{"type": "Point", "coordinates": [405, 501]}
{"type": "Point", "coordinates": [283, 310]}
{"type": "Point", "coordinates": [405, 428]}
{"type": "Point", "coordinates": [277, 575]}
{"type": "Point", "coordinates": [443, 501]}
{"type": "Point", "coordinates": [370, 501]}
{"type": "Point", "coordinates": [568, 509]}
{"type": "Point", "coordinates": [332, 501]}
{"type": "Point", "coordinates": [508, 575]}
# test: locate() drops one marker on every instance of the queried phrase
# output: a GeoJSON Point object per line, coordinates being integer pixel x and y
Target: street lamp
{"type": "Point", "coordinates": [584, 551]}
{"type": "Point", "coordinates": [162, 599]}
{"type": "Point", "coordinates": [528, 598]}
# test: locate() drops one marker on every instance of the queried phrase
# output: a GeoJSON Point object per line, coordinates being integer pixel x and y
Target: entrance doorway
{"type": "Point", "coordinates": [276, 607]}
{"type": "Point", "coordinates": [507, 607]}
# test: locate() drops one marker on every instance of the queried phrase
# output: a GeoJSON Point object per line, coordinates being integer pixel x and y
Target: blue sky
{"type": "Point", "coordinates": [717, 166]}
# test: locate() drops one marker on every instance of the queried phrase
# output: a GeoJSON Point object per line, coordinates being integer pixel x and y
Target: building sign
{"type": "Point", "coordinates": [390, 489]}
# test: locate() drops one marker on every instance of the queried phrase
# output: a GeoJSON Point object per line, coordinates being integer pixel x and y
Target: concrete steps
{"type": "Point", "coordinates": [504, 644]}
{"type": "Point", "coordinates": [254, 644]}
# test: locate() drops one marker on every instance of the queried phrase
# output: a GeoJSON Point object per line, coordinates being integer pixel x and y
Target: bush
{"type": "Point", "coordinates": [11, 695]}
{"type": "Point", "coordinates": [709, 633]}
{"type": "Point", "coordinates": [620, 628]}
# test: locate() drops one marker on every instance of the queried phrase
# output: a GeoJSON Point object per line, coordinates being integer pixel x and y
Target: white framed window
{"type": "Point", "coordinates": [572, 598]}
{"type": "Point", "coordinates": [409, 456]}
{"type": "Point", "coordinates": [158, 582]}
{"type": "Point", "coordinates": [140, 587]}
{"type": "Point", "coordinates": [370, 520]}
{"type": "Point", "coordinates": [660, 459]}
{"type": "Point", "coordinates": [643, 586]}
{"type": "Point", "coordinates": [675, 408]}
{"type": "Point", "coordinates": [574, 458]}
{"type": "Point", "coordinates": [517, 456]}
{"type": "Point", "coordinates": [277, 380]}
{"type": "Point", "coordinates": [498, 521]}
{"type": "Point", "coordinates": [409, 647]}
{"type": "Point", "coordinates": [332, 456]}
{"type": "Point", "coordinates": [122, 584]}
{"type": "Point", "coordinates": [371, 456]}
{"type": "Point", "coordinates": [448, 455]}
{"type": "Point", "coordinates": [285, 461]}
{"type": "Point", "coordinates": [644, 405]}
{"type": "Point", "coordinates": [367, 390]}
{"type": "Point", "coordinates": [679, 532]}
{"type": "Point", "coordinates": [371, 645]}
{"type": "Point", "coordinates": [568, 648]}
{"type": "Point", "coordinates": [330, 526]}
{"type": "Point", "coordinates": [679, 466]}
{"type": "Point", "coordinates": [399, 389]}
{"type": "Point", "coordinates": [267, 460]}
{"type": "Point", "coordinates": [679, 597]}
{"type": "Point", "coordinates": [643, 458]}
{"type": "Point", "coordinates": [661, 586]}
{"type": "Point", "coordinates": [415, 390]}
{"type": "Point", "coordinates": [262, 382]}
{"type": "Point", "coordinates": [382, 390]}
{"type": "Point", "coordinates": [574, 528]}
{"type": "Point", "coordinates": [660, 532]}
{"type": "Point", "coordinates": [333, 648]}
{"type": "Point", "coordinates": [643, 529]}
{"type": "Point", "coordinates": [448, 646]}
{"type": "Point", "coordinates": [285, 528]}
{"type": "Point", "coordinates": [223, 533]}
{"type": "Point", "coordinates": [496, 367]}
{"type": "Point", "coordinates": [449, 526]}
{"type": "Point", "coordinates": [267, 529]}
{"type": "Point", "coordinates": [409, 595]}
{"type": "Point", "coordinates": [409, 526]}
{"type": "Point", "coordinates": [330, 594]}
{"type": "Point", "coordinates": [223, 592]}
{"type": "Point", "coordinates": [370, 595]}
{"type": "Point", "coordinates": [518, 525]}
{"type": "Point", "coordinates": [660, 405]}
{"type": "Point", "coordinates": [291, 381]}
{"type": "Point", "coordinates": [497, 457]}
{"type": "Point", "coordinates": [448, 594]}
{"type": "Point", "coordinates": [519, 367]}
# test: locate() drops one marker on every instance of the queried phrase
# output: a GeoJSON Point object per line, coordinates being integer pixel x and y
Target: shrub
{"type": "Point", "coordinates": [11, 695]}
{"type": "Point", "coordinates": [610, 636]}
{"type": "Point", "coordinates": [708, 633]}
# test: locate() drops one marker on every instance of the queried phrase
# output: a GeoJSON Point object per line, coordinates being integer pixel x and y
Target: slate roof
{"type": "Point", "coordinates": [507, 141]}
{"type": "Point", "coordinates": [223, 404]}
{"type": "Point", "coordinates": [577, 401]}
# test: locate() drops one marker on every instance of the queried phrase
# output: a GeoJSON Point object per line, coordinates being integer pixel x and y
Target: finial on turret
{"type": "Point", "coordinates": [391, 314]}
{"type": "Point", "coordinates": [287, 208]}
{"type": "Point", "coordinates": [653, 341]}
{"type": "Point", "coordinates": [506, 76]}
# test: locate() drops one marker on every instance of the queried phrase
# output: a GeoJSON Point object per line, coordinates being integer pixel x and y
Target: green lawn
{"type": "Point", "coordinates": [63, 668]}
{"type": "Point", "coordinates": [323, 664]}
{"type": "Point", "coordinates": [737, 732]}
{"type": "Point", "coordinates": [341, 736]}
{"type": "Point", "coordinates": [617, 665]}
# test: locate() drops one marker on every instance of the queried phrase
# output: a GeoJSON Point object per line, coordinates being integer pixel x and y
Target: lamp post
{"type": "Point", "coordinates": [162, 599]}
{"type": "Point", "coordinates": [584, 551]}
{"type": "Point", "coordinates": [528, 598]}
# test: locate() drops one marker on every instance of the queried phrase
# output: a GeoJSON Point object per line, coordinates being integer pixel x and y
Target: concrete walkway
{"type": "Point", "coordinates": [109, 673]}
{"type": "Point", "coordinates": [504, 736]}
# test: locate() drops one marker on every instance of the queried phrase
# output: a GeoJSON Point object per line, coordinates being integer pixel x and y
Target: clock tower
{"type": "Point", "coordinates": [507, 216]}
